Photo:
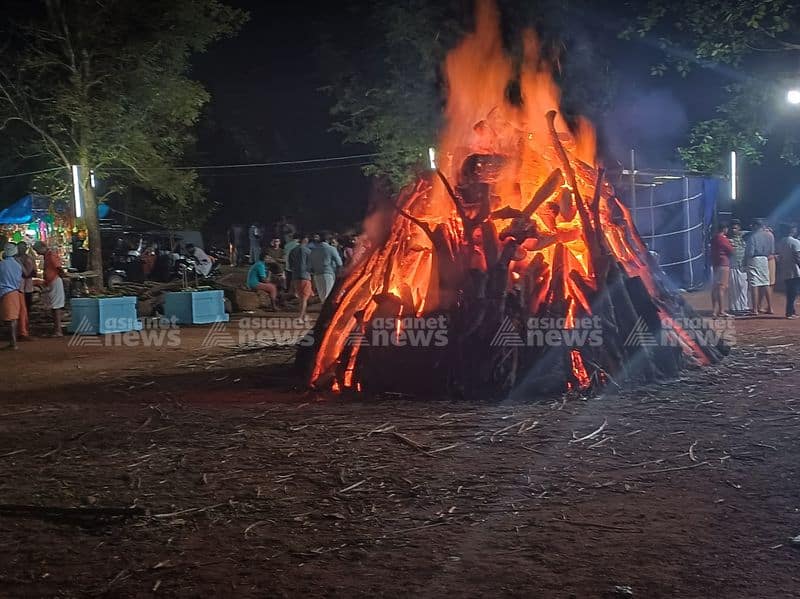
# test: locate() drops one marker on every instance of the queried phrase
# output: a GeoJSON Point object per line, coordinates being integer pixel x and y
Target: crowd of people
{"type": "Point", "coordinates": [293, 263]}
{"type": "Point", "coordinates": [747, 265]}
{"type": "Point", "coordinates": [18, 276]}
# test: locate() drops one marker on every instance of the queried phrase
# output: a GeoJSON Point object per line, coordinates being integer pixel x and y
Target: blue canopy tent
{"type": "Point", "coordinates": [22, 211]}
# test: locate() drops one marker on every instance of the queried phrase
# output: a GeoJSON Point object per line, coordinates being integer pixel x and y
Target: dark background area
{"type": "Point", "coordinates": [267, 105]}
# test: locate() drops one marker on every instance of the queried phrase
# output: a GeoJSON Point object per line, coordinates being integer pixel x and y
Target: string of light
{"type": "Point", "coordinates": [28, 174]}
{"type": "Point", "coordinates": [230, 166]}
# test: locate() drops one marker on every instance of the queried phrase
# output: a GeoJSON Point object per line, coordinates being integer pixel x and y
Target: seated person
{"type": "Point", "coordinates": [258, 280]}
{"type": "Point", "coordinates": [203, 261]}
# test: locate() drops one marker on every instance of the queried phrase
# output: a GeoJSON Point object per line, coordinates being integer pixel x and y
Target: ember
{"type": "Point", "coordinates": [517, 223]}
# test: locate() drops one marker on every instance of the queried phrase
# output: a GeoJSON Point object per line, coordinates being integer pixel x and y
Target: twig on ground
{"type": "Point", "coordinates": [191, 510]}
{"type": "Point", "coordinates": [600, 442]}
{"type": "Point", "coordinates": [447, 448]}
{"type": "Point", "coordinates": [704, 463]}
{"type": "Point", "coordinates": [595, 525]}
{"type": "Point", "coordinates": [507, 428]}
{"type": "Point", "coordinates": [383, 428]}
{"type": "Point", "coordinates": [691, 452]}
{"type": "Point", "coordinates": [10, 453]}
{"type": "Point", "coordinates": [353, 486]}
{"type": "Point", "coordinates": [424, 526]}
{"type": "Point", "coordinates": [411, 443]}
{"type": "Point", "coordinates": [593, 434]}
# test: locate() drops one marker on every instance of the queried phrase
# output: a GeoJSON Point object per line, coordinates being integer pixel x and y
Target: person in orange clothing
{"type": "Point", "coordinates": [11, 300]}
{"type": "Point", "coordinates": [23, 324]}
{"type": "Point", "coordinates": [721, 252]}
{"type": "Point", "coordinates": [28, 265]}
{"type": "Point", "coordinates": [53, 296]}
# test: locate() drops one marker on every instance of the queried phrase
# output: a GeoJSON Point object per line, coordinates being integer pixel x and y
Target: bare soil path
{"type": "Point", "coordinates": [196, 472]}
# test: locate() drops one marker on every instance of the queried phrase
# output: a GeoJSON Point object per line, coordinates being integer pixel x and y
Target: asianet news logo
{"type": "Point", "coordinates": [408, 331]}
{"type": "Point", "coordinates": [550, 332]}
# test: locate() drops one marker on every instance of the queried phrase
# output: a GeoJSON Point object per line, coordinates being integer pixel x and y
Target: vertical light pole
{"type": "Point", "coordinates": [77, 192]}
{"type": "Point", "coordinates": [733, 175]}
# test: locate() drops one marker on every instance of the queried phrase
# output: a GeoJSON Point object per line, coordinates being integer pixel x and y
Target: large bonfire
{"type": "Point", "coordinates": [517, 223]}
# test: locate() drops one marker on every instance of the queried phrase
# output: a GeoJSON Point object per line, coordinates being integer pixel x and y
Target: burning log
{"type": "Point", "coordinates": [449, 300]}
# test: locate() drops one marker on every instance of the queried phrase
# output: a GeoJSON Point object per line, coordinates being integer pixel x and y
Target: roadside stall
{"type": "Point", "coordinates": [35, 218]}
{"type": "Point", "coordinates": [40, 218]}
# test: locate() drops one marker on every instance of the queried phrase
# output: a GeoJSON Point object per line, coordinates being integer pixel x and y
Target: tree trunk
{"type": "Point", "coordinates": [92, 227]}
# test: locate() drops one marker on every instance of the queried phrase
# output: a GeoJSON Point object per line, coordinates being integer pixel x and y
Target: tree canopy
{"type": "Point", "coordinates": [755, 44]}
{"type": "Point", "coordinates": [392, 98]}
{"type": "Point", "coordinates": [106, 85]}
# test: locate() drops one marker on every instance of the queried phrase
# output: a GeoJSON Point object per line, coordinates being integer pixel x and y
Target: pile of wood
{"type": "Point", "coordinates": [149, 294]}
{"type": "Point", "coordinates": [567, 252]}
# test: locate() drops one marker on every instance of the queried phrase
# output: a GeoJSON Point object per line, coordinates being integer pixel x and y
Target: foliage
{"type": "Point", "coordinates": [726, 33]}
{"type": "Point", "coordinates": [105, 85]}
{"type": "Point", "coordinates": [392, 99]}
{"type": "Point", "coordinates": [716, 31]}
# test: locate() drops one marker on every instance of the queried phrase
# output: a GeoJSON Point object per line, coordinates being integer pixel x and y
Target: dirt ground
{"type": "Point", "coordinates": [197, 472]}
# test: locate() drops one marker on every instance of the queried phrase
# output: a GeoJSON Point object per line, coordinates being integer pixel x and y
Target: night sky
{"type": "Point", "coordinates": [267, 106]}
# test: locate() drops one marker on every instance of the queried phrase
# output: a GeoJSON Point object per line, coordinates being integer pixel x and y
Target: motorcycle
{"type": "Point", "coordinates": [186, 267]}
{"type": "Point", "coordinates": [125, 267]}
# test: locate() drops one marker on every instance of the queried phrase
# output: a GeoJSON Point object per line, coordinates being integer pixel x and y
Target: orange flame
{"type": "Point", "coordinates": [535, 180]}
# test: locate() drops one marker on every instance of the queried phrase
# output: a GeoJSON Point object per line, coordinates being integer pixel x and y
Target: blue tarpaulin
{"type": "Point", "coordinates": [19, 213]}
{"type": "Point", "coordinates": [674, 215]}
{"type": "Point", "coordinates": [22, 211]}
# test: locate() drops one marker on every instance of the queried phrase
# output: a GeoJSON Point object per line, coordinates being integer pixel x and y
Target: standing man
{"type": "Point", "coordinates": [254, 234]}
{"type": "Point", "coordinates": [11, 302]}
{"type": "Point", "coordinates": [721, 252]}
{"type": "Point", "coordinates": [325, 260]}
{"type": "Point", "coordinates": [772, 261]}
{"type": "Point", "coordinates": [275, 259]}
{"type": "Point", "coordinates": [789, 266]}
{"type": "Point", "coordinates": [29, 273]}
{"type": "Point", "coordinates": [53, 296]}
{"type": "Point", "coordinates": [299, 260]}
{"type": "Point", "coordinates": [760, 245]}
{"type": "Point", "coordinates": [287, 249]}
{"type": "Point", "coordinates": [738, 297]}
{"type": "Point", "coordinates": [239, 234]}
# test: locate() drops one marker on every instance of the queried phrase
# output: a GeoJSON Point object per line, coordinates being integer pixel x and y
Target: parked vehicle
{"type": "Point", "coordinates": [125, 253]}
{"type": "Point", "coordinates": [187, 266]}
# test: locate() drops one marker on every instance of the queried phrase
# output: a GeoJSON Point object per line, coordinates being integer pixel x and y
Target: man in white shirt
{"type": "Point", "coordinates": [788, 250]}
{"type": "Point", "coordinates": [325, 261]}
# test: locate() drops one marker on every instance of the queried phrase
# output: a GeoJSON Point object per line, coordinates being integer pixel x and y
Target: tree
{"type": "Point", "coordinates": [105, 86]}
{"type": "Point", "coordinates": [392, 99]}
{"type": "Point", "coordinates": [758, 43]}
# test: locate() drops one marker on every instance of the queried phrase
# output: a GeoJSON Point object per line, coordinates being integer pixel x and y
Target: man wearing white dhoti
{"type": "Point", "coordinates": [760, 245]}
{"type": "Point", "coordinates": [738, 292]}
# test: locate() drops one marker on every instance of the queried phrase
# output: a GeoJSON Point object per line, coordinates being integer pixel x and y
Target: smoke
{"type": "Point", "coordinates": [654, 123]}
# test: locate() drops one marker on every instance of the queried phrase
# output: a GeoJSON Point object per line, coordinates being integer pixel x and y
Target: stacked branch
{"type": "Point", "coordinates": [570, 252]}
